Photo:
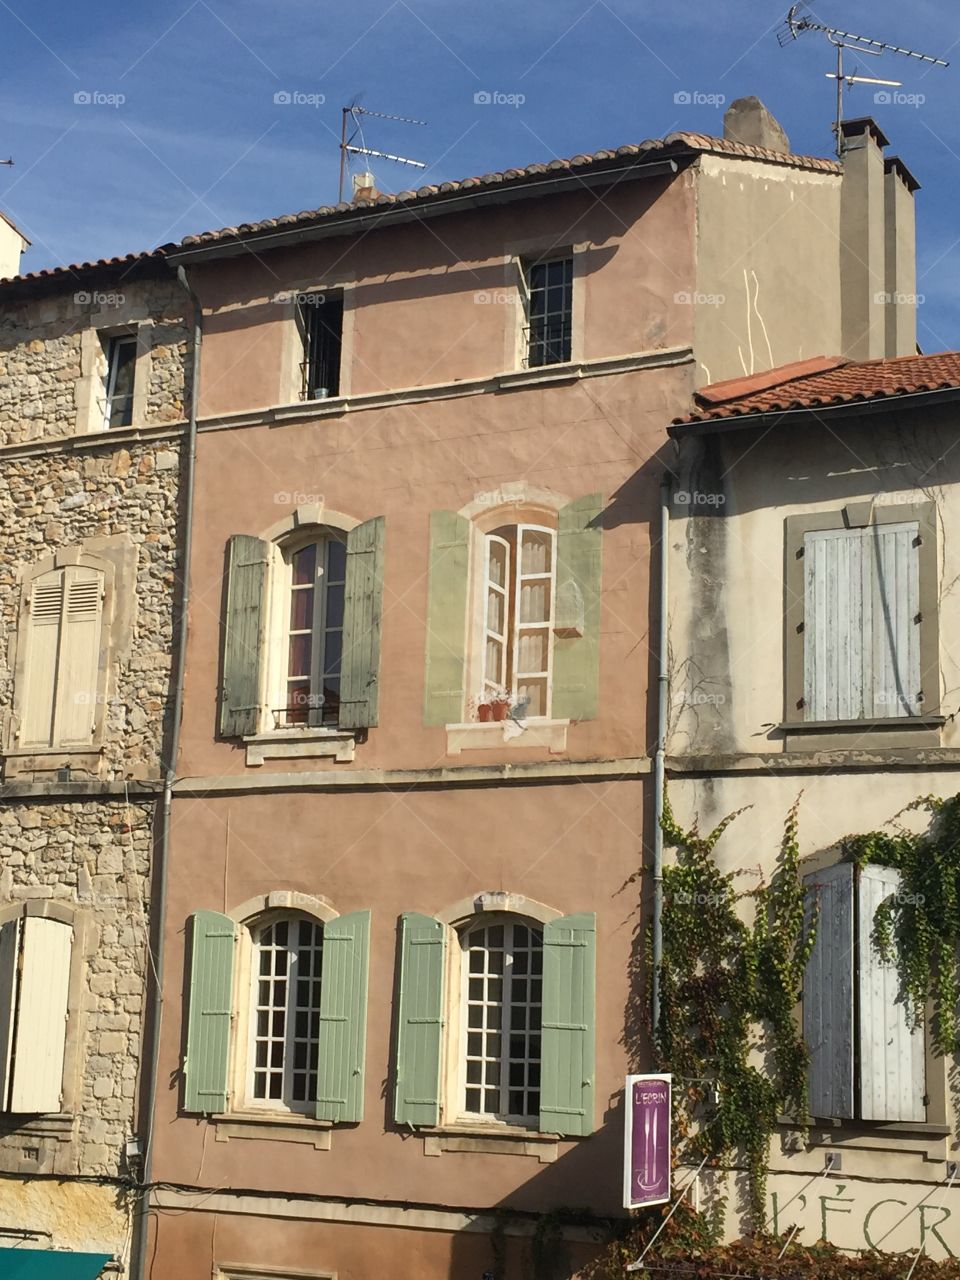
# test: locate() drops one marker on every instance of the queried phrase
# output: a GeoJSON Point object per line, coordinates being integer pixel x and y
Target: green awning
{"type": "Point", "coordinates": [48, 1264]}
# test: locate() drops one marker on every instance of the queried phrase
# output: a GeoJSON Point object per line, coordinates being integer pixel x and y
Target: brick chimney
{"type": "Point", "coordinates": [900, 230]}
{"type": "Point", "coordinates": [748, 120]}
{"type": "Point", "coordinates": [12, 244]}
{"type": "Point", "coordinates": [863, 254]}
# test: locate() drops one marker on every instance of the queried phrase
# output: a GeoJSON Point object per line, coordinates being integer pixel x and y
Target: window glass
{"type": "Point", "coordinates": [314, 640]}
{"type": "Point", "coordinates": [121, 353]}
{"type": "Point", "coordinates": [287, 972]}
{"type": "Point", "coordinates": [550, 312]}
{"type": "Point", "coordinates": [519, 615]}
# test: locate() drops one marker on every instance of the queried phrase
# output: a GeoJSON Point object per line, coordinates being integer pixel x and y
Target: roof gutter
{"type": "Point", "coordinates": [850, 409]}
{"type": "Point", "coordinates": [353, 220]}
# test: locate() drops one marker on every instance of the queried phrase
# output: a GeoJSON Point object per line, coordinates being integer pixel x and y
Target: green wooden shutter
{"type": "Point", "coordinates": [576, 649]}
{"type": "Point", "coordinates": [343, 1018]}
{"type": "Point", "coordinates": [446, 618]}
{"type": "Point", "coordinates": [569, 1025]}
{"type": "Point", "coordinates": [243, 635]}
{"type": "Point", "coordinates": [211, 1012]}
{"type": "Point", "coordinates": [420, 1020]}
{"type": "Point", "coordinates": [363, 604]}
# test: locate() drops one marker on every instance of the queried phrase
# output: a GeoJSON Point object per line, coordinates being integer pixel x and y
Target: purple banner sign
{"type": "Point", "coordinates": [646, 1145]}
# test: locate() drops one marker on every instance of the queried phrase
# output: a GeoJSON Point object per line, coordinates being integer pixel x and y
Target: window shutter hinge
{"type": "Point", "coordinates": [801, 702]}
{"type": "Point", "coordinates": [919, 617]}
{"type": "Point", "coordinates": [799, 628]}
{"type": "Point", "coordinates": [926, 1099]}
{"type": "Point", "coordinates": [800, 552]}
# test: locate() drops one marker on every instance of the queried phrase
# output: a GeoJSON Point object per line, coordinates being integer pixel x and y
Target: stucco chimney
{"type": "Point", "coordinates": [364, 188]}
{"type": "Point", "coordinates": [748, 120]}
{"type": "Point", "coordinates": [900, 231]}
{"type": "Point", "coordinates": [863, 281]}
{"type": "Point", "coordinates": [12, 244]}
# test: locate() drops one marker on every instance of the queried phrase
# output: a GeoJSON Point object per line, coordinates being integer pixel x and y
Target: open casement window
{"type": "Point", "coordinates": [320, 325]}
{"type": "Point", "coordinates": [866, 1054]}
{"type": "Point", "coordinates": [35, 954]}
{"type": "Point", "coordinates": [534, 609]}
{"type": "Point", "coordinates": [861, 624]}
{"type": "Point", "coordinates": [548, 300]}
{"type": "Point", "coordinates": [304, 986]}
{"type": "Point", "coordinates": [522, 1035]}
{"type": "Point", "coordinates": [120, 353]}
{"type": "Point", "coordinates": [302, 632]}
{"type": "Point", "coordinates": [62, 678]}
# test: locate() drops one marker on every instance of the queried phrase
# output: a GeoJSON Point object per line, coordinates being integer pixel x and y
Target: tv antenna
{"type": "Point", "coordinates": [796, 23]}
{"type": "Point", "coordinates": [349, 148]}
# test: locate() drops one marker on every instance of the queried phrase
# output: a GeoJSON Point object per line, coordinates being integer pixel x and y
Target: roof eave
{"type": "Point", "coordinates": [848, 408]}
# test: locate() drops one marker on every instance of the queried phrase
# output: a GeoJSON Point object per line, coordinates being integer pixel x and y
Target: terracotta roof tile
{"type": "Point", "coordinates": [822, 382]}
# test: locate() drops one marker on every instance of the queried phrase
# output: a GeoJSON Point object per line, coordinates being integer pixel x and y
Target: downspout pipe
{"type": "Point", "coordinates": [663, 692]}
{"type": "Point", "coordinates": [138, 1259]}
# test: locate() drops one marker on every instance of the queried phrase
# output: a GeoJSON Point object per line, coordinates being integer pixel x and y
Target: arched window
{"type": "Point", "coordinates": [501, 1000]}
{"type": "Point", "coordinates": [285, 1012]}
{"type": "Point", "coordinates": [313, 589]}
{"type": "Point", "coordinates": [519, 591]}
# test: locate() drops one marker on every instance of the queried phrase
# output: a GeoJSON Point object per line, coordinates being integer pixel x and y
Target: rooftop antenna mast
{"type": "Point", "coordinates": [797, 22]}
{"type": "Point", "coordinates": [347, 147]}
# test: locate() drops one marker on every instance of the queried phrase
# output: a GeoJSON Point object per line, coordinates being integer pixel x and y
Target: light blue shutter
{"type": "Point", "coordinates": [892, 1074]}
{"type": "Point", "coordinates": [828, 992]}
{"type": "Point", "coordinates": [569, 1025]}
{"type": "Point", "coordinates": [363, 606]}
{"type": "Point", "coordinates": [343, 1018]}
{"type": "Point", "coordinates": [420, 1020]}
{"type": "Point", "coordinates": [576, 646]}
{"type": "Point", "coordinates": [211, 1012]}
{"type": "Point", "coordinates": [861, 623]}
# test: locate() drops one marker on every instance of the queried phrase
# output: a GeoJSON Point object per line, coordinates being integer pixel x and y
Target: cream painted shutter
{"type": "Point", "coordinates": [862, 623]}
{"type": "Point", "coordinates": [41, 1029]}
{"type": "Point", "coordinates": [891, 1048]}
{"type": "Point", "coordinates": [447, 586]}
{"type": "Point", "coordinates": [78, 685]}
{"type": "Point", "coordinates": [37, 699]}
{"type": "Point", "coordinates": [576, 649]}
{"type": "Point", "coordinates": [828, 992]}
{"type": "Point", "coordinates": [9, 956]}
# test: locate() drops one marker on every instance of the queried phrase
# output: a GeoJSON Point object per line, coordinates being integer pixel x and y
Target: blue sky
{"type": "Point", "coordinates": [199, 139]}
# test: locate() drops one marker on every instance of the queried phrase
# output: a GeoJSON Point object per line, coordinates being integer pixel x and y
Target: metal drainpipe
{"type": "Point", "coordinates": [663, 683]}
{"type": "Point", "coordinates": [138, 1258]}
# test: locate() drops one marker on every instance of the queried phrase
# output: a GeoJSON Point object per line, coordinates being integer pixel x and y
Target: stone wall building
{"type": "Point", "coordinates": [92, 393]}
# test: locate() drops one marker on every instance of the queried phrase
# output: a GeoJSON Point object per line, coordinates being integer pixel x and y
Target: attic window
{"type": "Point", "coordinates": [320, 318]}
{"type": "Point", "coordinates": [549, 311]}
{"type": "Point", "coordinates": [121, 355]}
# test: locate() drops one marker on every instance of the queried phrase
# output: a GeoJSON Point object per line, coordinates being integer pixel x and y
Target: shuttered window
{"type": "Point", "coordinates": [518, 612]}
{"type": "Point", "coordinates": [306, 1015]}
{"type": "Point", "coordinates": [35, 958]}
{"type": "Point", "coordinates": [61, 669]}
{"type": "Point", "coordinates": [866, 1055]}
{"type": "Point", "coordinates": [861, 626]}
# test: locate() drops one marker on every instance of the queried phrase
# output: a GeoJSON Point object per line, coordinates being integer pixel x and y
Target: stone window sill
{"type": "Point", "coordinates": [493, 1139]}
{"type": "Point", "coordinates": [273, 1126]}
{"type": "Point", "coordinates": [497, 734]}
{"type": "Point", "coordinates": [841, 735]}
{"type": "Point", "coordinates": [46, 760]}
{"type": "Point", "coordinates": [301, 744]}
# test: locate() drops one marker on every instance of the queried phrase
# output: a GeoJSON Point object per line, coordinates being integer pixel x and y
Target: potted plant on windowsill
{"type": "Point", "coordinates": [493, 704]}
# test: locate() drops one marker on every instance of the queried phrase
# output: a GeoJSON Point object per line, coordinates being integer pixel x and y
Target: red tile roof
{"type": "Point", "coordinates": [822, 382]}
{"type": "Point", "coordinates": [620, 157]}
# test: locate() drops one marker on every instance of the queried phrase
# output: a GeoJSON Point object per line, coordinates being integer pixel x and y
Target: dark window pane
{"type": "Point", "coordinates": [336, 560]}
{"type": "Point", "coordinates": [304, 564]}
{"type": "Point", "coordinates": [301, 609]}
{"type": "Point", "coordinates": [334, 606]}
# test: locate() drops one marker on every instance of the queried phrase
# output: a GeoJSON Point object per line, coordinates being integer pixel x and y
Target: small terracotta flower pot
{"type": "Point", "coordinates": [500, 710]}
{"type": "Point", "coordinates": [485, 712]}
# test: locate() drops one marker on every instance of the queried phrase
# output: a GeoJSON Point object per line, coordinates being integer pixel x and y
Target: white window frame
{"type": "Point", "coordinates": [460, 1114]}
{"type": "Point", "coordinates": [112, 344]}
{"type": "Point", "coordinates": [515, 580]}
{"type": "Point", "coordinates": [278, 627]}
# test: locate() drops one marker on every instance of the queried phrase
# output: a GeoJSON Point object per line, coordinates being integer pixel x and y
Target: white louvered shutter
{"type": "Point", "coordinates": [40, 668]}
{"type": "Point", "coordinates": [41, 1029]}
{"type": "Point", "coordinates": [892, 1074]}
{"type": "Point", "coordinates": [828, 992]}
{"type": "Point", "coordinates": [9, 956]}
{"type": "Point", "coordinates": [862, 623]}
{"type": "Point", "coordinates": [78, 683]}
